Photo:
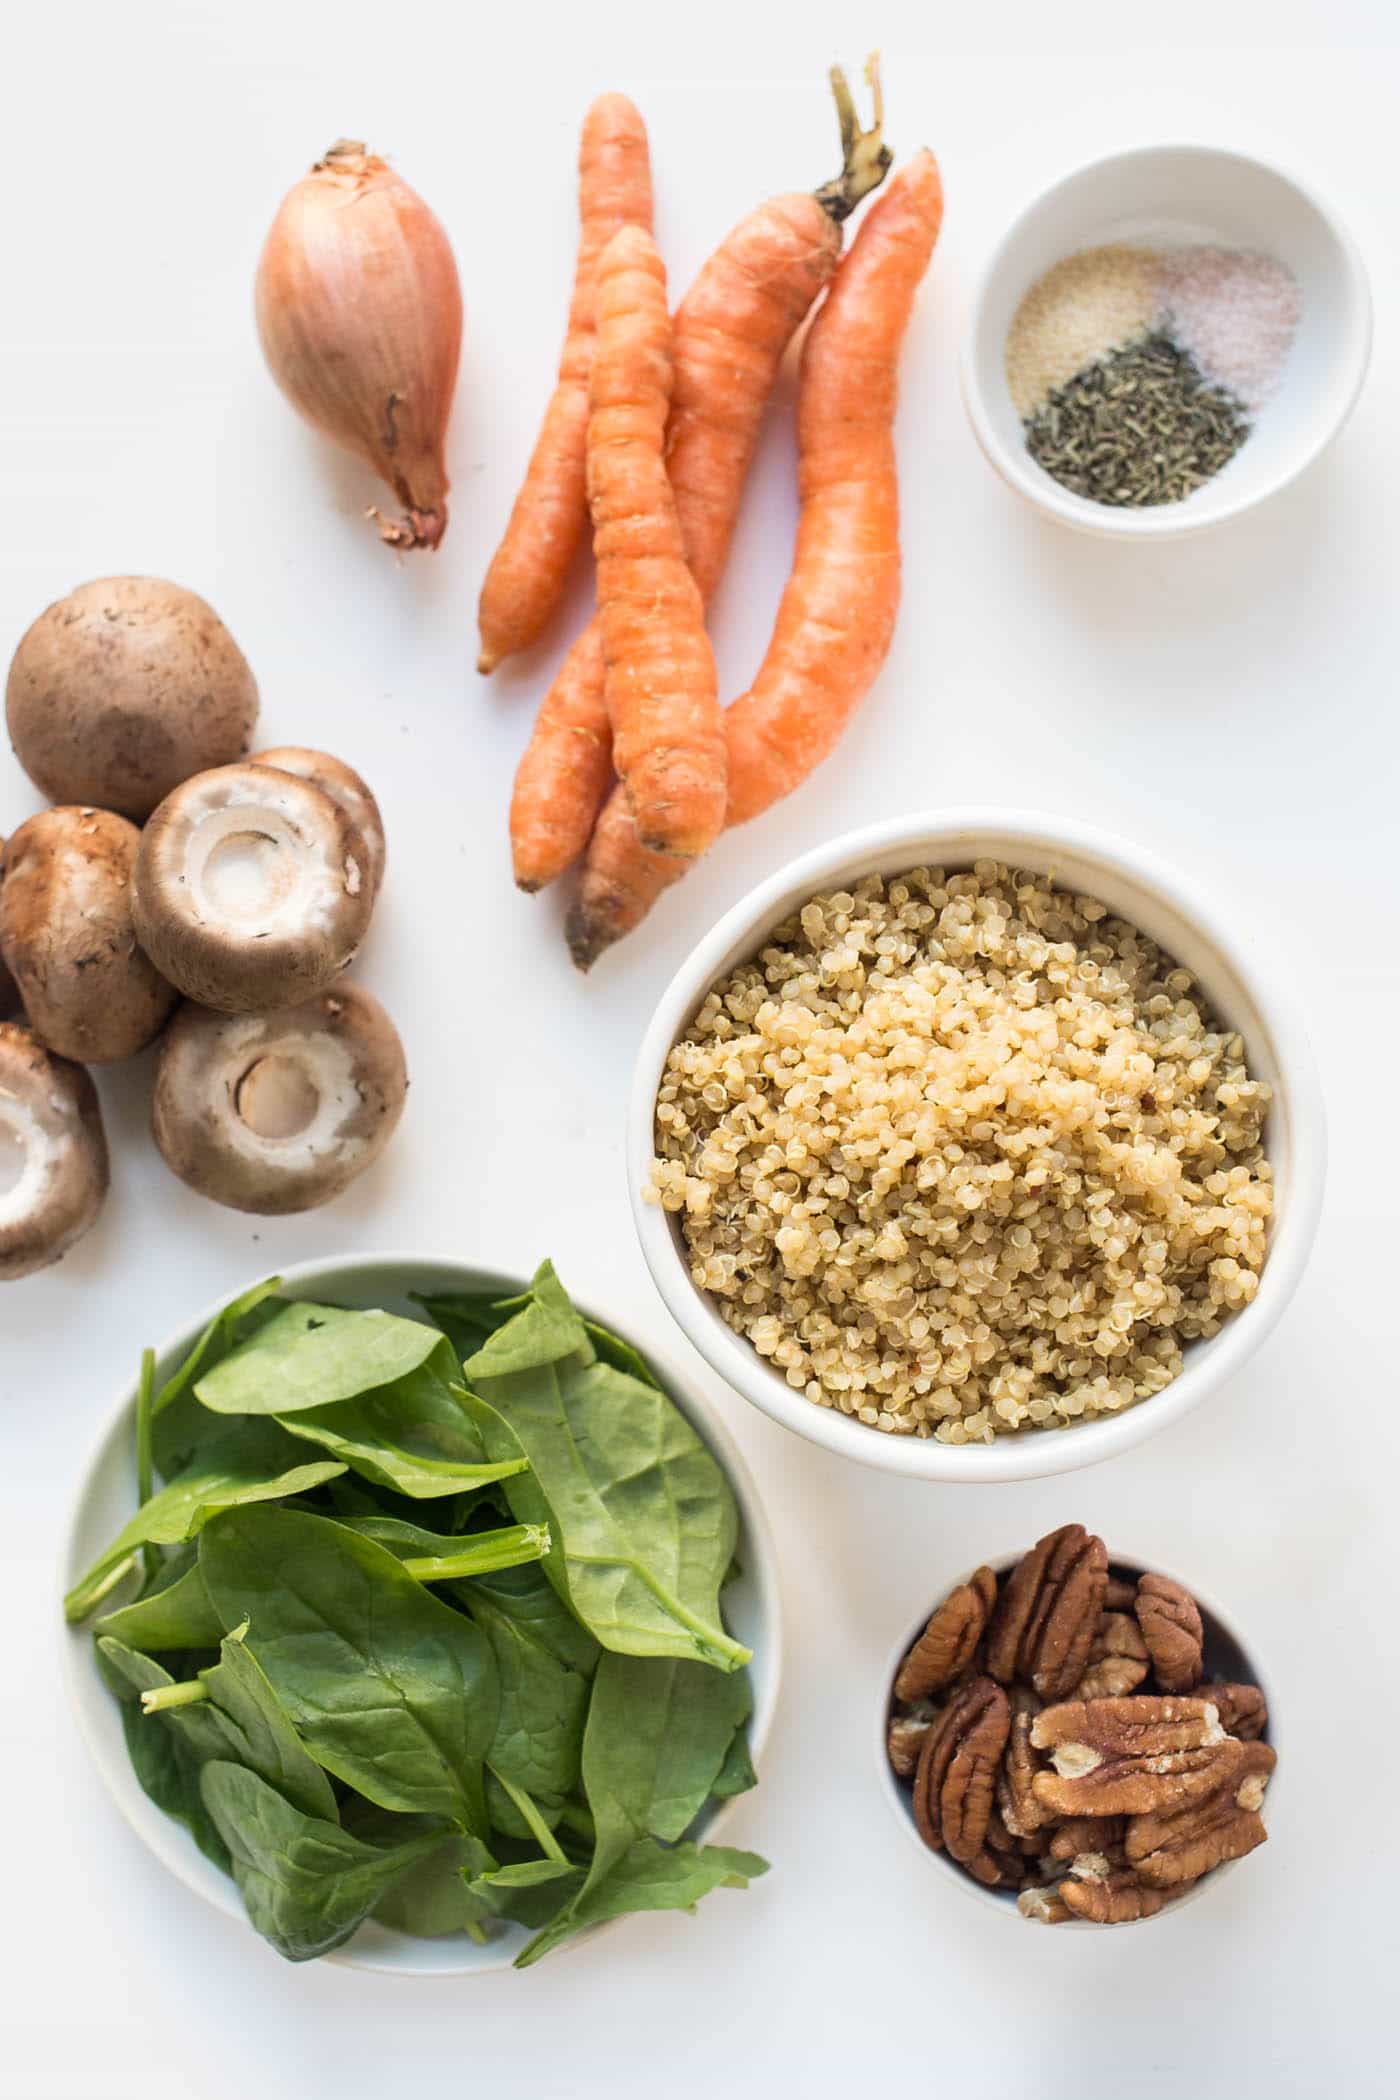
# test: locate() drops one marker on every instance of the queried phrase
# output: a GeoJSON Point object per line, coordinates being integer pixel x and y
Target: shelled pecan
{"type": "Point", "coordinates": [1241, 1708]}
{"type": "Point", "coordinates": [948, 1643]}
{"type": "Point", "coordinates": [956, 1775]}
{"type": "Point", "coordinates": [1048, 1613]}
{"type": "Point", "coordinates": [1125, 1757]}
{"type": "Point", "coordinates": [1119, 1899]}
{"type": "Point", "coordinates": [1118, 1660]}
{"type": "Point", "coordinates": [1178, 1846]}
{"type": "Point", "coordinates": [1171, 1627]}
{"type": "Point", "coordinates": [1020, 1811]}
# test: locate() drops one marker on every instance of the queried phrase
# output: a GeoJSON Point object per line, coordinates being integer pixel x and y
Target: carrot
{"type": "Point", "coordinates": [730, 333]}
{"type": "Point", "coordinates": [838, 610]}
{"type": "Point", "coordinates": [527, 573]}
{"type": "Point", "coordinates": [659, 669]}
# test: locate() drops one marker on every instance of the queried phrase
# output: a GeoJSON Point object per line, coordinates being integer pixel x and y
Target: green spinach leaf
{"type": "Point", "coordinates": [530, 1892]}
{"type": "Point", "coordinates": [261, 1732]}
{"type": "Point", "coordinates": [237, 1469]}
{"type": "Point", "coordinates": [658, 1733]}
{"type": "Point", "coordinates": [173, 1612]}
{"type": "Point", "coordinates": [179, 1425]}
{"type": "Point", "coordinates": [306, 1884]}
{"type": "Point", "coordinates": [648, 1876]}
{"type": "Point", "coordinates": [312, 1356]}
{"type": "Point", "coordinates": [642, 1518]}
{"type": "Point", "coordinates": [166, 1760]}
{"type": "Point", "coordinates": [434, 1556]}
{"type": "Point", "coordinates": [539, 1731]}
{"type": "Point", "coordinates": [390, 1689]}
{"type": "Point", "coordinates": [528, 1598]}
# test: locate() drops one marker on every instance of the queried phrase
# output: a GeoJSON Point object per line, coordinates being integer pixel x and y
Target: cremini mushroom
{"type": "Point", "coordinates": [67, 937]}
{"type": "Point", "coordinates": [53, 1155]}
{"type": "Point", "coordinates": [251, 889]}
{"type": "Point", "coordinates": [345, 786]}
{"type": "Point", "coordinates": [9, 990]}
{"type": "Point", "coordinates": [125, 688]}
{"type": "Point", "coordinates": [278, 1112]}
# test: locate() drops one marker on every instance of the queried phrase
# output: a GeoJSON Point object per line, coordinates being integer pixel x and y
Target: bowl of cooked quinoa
{"type": "Point", "coordinates": [1164, 338]}
{"type": "Point", "coordinates": [971, 1147]}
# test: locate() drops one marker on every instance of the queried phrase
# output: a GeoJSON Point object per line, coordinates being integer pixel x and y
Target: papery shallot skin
{"type": "Point", "coordinates": [359, 309]}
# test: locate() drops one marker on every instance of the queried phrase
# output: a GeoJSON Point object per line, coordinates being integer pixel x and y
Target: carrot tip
{"type": "Point", "coordinates": [486, 663]}
{"type": "Point", "coordinates": [586, 938]}
{"type": "Point", "coordinates": [531, 886]}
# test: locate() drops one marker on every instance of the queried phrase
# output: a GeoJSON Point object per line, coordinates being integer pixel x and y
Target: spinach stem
{"type": "Point", "coordinates": [511, 1547]}
{"type": "Point", "coordinates": [544, 1837]}
{"type": "Point", "coordinates": [145, 1464]}
{"type": "Point", "coordinates": [78, 1603]}
{"type": "Point", "coordinates": [166, 1696]}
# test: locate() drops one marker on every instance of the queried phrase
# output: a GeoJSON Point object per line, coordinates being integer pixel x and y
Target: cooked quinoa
{"type": "Point", "coordinates": [963, 1154]}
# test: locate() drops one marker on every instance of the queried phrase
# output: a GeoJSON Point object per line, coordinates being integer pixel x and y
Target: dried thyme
{"type": "Point", "coordinates": [1139, 427]}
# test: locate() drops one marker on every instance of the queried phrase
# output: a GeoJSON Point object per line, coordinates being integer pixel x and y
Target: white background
{"type": "Point", "coordinates": [1228, 701]}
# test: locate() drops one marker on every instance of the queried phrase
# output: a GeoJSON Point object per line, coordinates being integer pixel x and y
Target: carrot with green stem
{"type": "Point", "coordinates": [658, 666]}
{"type": "Point", "coordinates": [527, 574]}
{"type": "Point", "coordinates": [729, 336]}
{"type": "Point", "coordinates": [837, 614]}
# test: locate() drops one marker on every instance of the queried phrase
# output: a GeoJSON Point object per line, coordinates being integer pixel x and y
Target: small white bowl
{"type": "Point", "coordinates": [1227, 1659]}
{"type": "Point", "coordinates": [107, 1495]}
{"type": "Point", "coordinates": [1168, 196]}
{"type": "Point", "coordinates": [1244, 991]}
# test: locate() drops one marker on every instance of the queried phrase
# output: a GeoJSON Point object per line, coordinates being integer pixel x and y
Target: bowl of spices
{"type": "Point", "coordinates": [1163, 339]}
{"type": "Point", "coordinates": [973, 1148]}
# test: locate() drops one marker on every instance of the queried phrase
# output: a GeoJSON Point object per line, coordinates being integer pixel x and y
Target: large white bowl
{"type": "Point", "coordinates": [1164, 196]}
{"type": "Point", "coordinates": [1227, 1659]}
{"type": "Point", "coordinates": [107, 1496]}
{"type": "Point", "coordinates": [1246, 991]}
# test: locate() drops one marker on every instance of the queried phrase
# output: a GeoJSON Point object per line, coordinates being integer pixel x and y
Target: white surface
{"type": "Point", "coordinates": [105, 1500]}
{"type": "Point", "coordinates": [1249, 988]}
{"type": "Point", "coordinates": [1229, 701]}
{"type": "Point", "coordinates": [1167, 197]}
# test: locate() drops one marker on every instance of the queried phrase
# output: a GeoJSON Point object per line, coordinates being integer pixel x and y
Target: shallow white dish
{"type": "Point", "coordinates": [1245, 989]}
{"type": "Point", "coordinates": [1168, 196]}
{"type": "Point", "coordinates": [1227, 1659]}
{"type": "Point", "coordinates": [107, 1495]}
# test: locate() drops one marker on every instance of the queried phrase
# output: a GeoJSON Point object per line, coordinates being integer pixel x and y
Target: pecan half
{"type": "Point", "coordinates": [1117, 1661]}
{"type": "Point", "coordinates": [1048, 1614]}
{"type": "Point", "coordinates": [1171, 1627]}
{"type": "Point", "coordinates": [1176, 1846]}
{"type": "Point", "coordinates": [1087, 1834]}
{"type": "Point", "coordinates": [956, 1776]}
{"type": "Point", "coordinates": [1241, 1708]}
{"type": "Point", "coordinates": [1118, 1899]}
{"type": "Point", "coordinates": [1020, 1811]}
{"type": "Point", "coordinates": [1125, 1757]}
{"type": "Point", "coordinates": [949, 1641]}
{"type": "Point", "coordinates": [906, 1737]}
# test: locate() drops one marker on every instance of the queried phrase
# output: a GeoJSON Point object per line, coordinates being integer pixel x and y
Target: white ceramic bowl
{"type": "Point", "coordinates": [1227, 1659]}
{"type": "Point", "coordinates": [1167, 196]}
{"type": "Point", "coordinates": [1243, 988]}
{"type": "Point", "coordinates": [107, 1495]}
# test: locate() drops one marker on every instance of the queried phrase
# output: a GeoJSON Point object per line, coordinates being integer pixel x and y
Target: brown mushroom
{"type": "Point", "coordinates": [67, 937]}
{"type": "Point", "coordinates": [279, 1112]}
{"type": "Point", "coordinates": [125, 688]}
{"type": "Point", "coordinates": [53, 1155]}
{"type": "Point", "coordinates": [345, 786]}
{"type": "Point", "coordinates": [251, 889]}
{"type": "Point", "coordinates": [9, 990]}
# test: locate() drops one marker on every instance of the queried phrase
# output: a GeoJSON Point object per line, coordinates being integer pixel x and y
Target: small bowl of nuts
{"type": "Point", "coordinates": [971, 1146]}
{"type": "Point", "coordinates": [1076, 1739]}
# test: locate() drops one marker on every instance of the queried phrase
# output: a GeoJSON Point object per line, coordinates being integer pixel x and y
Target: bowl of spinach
{"type": "Point", "coordinates": [418, 1619]}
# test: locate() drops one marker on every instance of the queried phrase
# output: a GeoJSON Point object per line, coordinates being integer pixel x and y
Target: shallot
{"type": "Point", "coordinates": [360, 314]}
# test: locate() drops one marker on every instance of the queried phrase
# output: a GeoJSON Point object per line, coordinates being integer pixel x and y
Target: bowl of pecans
{"type": "Point", "coordinates": [1075, 1738]}
{"type": "Point", "coordinates": [1163, 339]}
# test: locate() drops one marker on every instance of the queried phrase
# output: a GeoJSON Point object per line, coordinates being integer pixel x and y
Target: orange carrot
{"type": "Point", "coordinates": [838, 611]}
{"type": "Point", "coordinates": [527, 572]}
{"type": "Point", "coordinates": [730, 333]}
{"type": "Point", "coordinates": [659, 669]}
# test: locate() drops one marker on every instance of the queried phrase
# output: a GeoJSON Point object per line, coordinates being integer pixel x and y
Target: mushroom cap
{"type": "Point", "coordinates": [67, 936]}
{"type": "Point", "coordinates": [123, 689]}
{"type": "Point", "coordinates": [52, 1144]}
{"type": "Point", "coordinates": [278, 1112]}
{"type": "Point", "coordinates": [9, 990]}
{"type": "Point", "coordinates": [345, 786]}
{"type": "Point", "coordinates": [250, 891]}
